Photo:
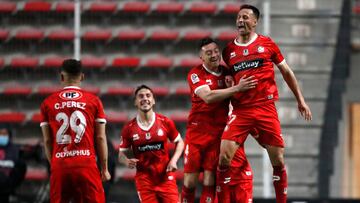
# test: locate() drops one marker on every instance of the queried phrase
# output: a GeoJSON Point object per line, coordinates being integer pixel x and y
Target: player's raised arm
{"type": "Point", "coordinates": [291, 81]}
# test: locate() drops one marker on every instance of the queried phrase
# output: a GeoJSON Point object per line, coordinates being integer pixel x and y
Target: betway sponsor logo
{"type": "Point", "coordinates": [244, 65]}
{"type": "Point", "coordinates": [151, 147]}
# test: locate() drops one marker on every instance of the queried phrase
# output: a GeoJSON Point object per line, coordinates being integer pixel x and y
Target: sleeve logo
{"type": "Point", "coordinates": [195, 78]}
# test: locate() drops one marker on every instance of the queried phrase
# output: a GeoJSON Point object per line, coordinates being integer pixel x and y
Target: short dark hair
{"type": "Point", "coordinates": [72, 67]}
{"type": "Point", "coordinates": [205, 41]}
{"type": "Point", "coordinates": [253, 8]}
{"type": "Point", "coordinates": [142, 87]}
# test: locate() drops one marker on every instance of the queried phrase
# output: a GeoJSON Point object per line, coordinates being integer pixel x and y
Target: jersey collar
{"type": "Point", "coordinates": [212, 72]}
{"type": "Point", "coordinates": [72, 87]}
{"type": "Point", "coordinates": [146, 128]}
{"type": "Point", "coordinates": [248, 43]}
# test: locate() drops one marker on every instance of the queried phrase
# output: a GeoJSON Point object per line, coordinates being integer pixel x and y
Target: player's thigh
{"type": "Point", "coordinates": [211, 157]}
{"type": "Point", "coordinates": [227, 150]}
{"type": "Point", "coordinates": [147, 196]}
{"type": "Point", "coordinates": [89, 182]}
{"type": "Point", "coordinates": [191, 179]}
{"type": "Point", "coordinates": [237, 128]}
{"type": "Point", "coordinates": [60, 186]}
{"type": "Point", "coordinates": [168, 192]}
{"type": "Point", "coordinates": [242, 192]}
{"type": "Point", "coordinates": [192, 158]}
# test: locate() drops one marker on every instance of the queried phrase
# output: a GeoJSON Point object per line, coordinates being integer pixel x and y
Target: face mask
{"type": "Point", "coordinates": [4, 140]}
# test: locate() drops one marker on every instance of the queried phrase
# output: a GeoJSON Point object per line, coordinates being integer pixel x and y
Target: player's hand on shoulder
{"type": "Point", "coordinates": [131, 163]}
{"type": "Point", "coordinates": [105, 175]}
{"type": "Point", "coordinates": [172, 166]}
{"type": "Point", "coordinates": [246, 83]}
{"type": "Point", "coordinates": [305, 111]}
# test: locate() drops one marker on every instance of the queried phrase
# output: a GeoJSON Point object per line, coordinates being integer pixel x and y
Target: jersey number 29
{"type": "Point", "coordinates": [77, 124]}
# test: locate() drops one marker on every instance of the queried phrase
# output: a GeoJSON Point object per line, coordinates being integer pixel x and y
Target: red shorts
{"type": "Point", "coordinates": [262, 117]}
{"type": "Point", "coordinates": [238, 193]}
{"type": "Point", "coordinates": [76, 184]}
{"type": "Point", "coordinates": [165, 191]}
{"type": "Point", "coordinates": [201, 157]}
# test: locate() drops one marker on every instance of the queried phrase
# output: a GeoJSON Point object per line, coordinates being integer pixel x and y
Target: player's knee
{"type": "Point", "coordinates": [224, 159]}
{"type": "Point", "coordinates": [190, 180]}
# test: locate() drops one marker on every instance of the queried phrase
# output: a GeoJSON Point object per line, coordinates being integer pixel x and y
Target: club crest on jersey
{"type": "Point", "coordinates": [245, 52]}
{"type": "Point", "coordinates": [232, 54]}
{"type": "Point", "coordinates": [70, 94]}
{"type": "Point", "coordinates": [136, 137]}
{"type": "Point", "coordinates": [261, 49]}
{"type": "Point", "coordinates": [194, 78]}
{"type": "Point", "coordinates": [148, 136]}
{"type": "Point", "coordinates": [160, 132]}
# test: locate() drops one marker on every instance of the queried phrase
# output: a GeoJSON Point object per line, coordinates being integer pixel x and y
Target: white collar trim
{"type": "Point", "coordinates": [146, 128]}
{"type": "Point", "coordinates": [72, 87]}
{"type": "Point", "coordinates": [212, 72]}
{"type": "Point", "coordinates": [248, 43]}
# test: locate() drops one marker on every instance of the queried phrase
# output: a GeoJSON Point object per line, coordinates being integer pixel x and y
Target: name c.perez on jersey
{"type": "Point", "coordinates": [151, 147]}
{"type": "Point", "coordinates": [70, 104]}
{"type": "Point", "coordinates": [244, 65]}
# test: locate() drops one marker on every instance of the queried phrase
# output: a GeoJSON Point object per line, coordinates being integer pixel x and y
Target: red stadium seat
{"type": "Point", "coordinates": [7, 7]}
{"type": "Point", "coordinates": [36, 174]}
{"type": "Point", "coordinates": [161, 91]}
{"type": "Point", "coordinates": [35, 118]}
{"type": "Point", "coordinates": [46, 90]}
{"type": "Point", "coordinates": [2, 62]}
{"type": "Point", "coordinates": [61, 34]}
{"type": "Point", "coordinates": [116, 117]}
{"type": "Point", "coordinates": [136, 7]}
{"type": "Point", "coordinates": [131, 35]}
{"type": "Point", "coordinates": [12, 117]}
{"type": "Point", "coordinates": [53, 61]}
{"type": "Point", "coordinates": [169, 7]}
{"type": "Point", "coordinates": [356, 9]}
{"type": "Point", "coordinates": [37, 6]}
{"type": "Point", "coordinates": [182, 91]}
{"type": "Point", "coordinates": [123, 62]}
{"type": "Point", "coordinates": [29, 34]}
{"type": "Point", "coordinates": [179, 117]}
{"type": "Point", "coordinates": [93, 62]}
{"type": "Point", "coordinates": [94, 35]}
{"type": "Point", "coordinates": [17, 90]}
{"type": "Point", "coordinates": [27, 62]}
{"type": "Point", "coordinates": [159, 62]}
{"type": "Point", "coordinates": [227, 35]}
{"type": "Point", "coordinates": [65, 6]}
{"type": "Point", "coordinates": [120, 91]}
{"type": "Point", "coordinates": [103, 6]}
{"type": "Point", "coordinates": [92, 89]}
{"type": "Point", "coordinates": [231, 8]}
{"type": "Point", "coordinates": [190, 62]}
{"type": "Point", "coordinates": [203, 7]}
{"type": "Point", "coordinates": [196, 34]}
{"type": "Point", "coordinates": [164, 35]}
{"type": "Point", "coordinates": [4, 34]}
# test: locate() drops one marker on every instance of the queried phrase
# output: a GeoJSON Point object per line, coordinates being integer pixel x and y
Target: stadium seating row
{"type": "Point", "coordinates": [110, 7]}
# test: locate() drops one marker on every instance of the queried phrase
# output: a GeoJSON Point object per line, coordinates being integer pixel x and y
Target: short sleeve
{"type": "Point", "coordinates": [173, 133]}
{"type": "Point", "coordinates": [276, 55]}
{"type": "Point", "coordinates": [125, 142]}
{"type": "Point", "coordinates": [195, 81]}
{"type": "Point", "coordinates": [100, 117]}
{"type": "Point", "coordinates": [44, 119]}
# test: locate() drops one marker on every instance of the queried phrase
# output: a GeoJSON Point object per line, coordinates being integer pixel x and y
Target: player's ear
{"type": "Point", "coordinates": [62, 77]}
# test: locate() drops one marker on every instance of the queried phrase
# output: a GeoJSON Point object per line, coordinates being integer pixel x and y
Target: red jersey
{"type": "Point", "coordinates": [254, 58]}
{"type": "Point", "coordinates": [71, 114]}
{"type": "Point", "coordinates": [203, 117]}
{"type": "Point", "coordinates": [149, 144]}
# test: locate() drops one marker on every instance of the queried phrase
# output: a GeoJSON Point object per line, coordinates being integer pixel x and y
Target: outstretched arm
{"type": "Point", "coordinates": [291, 81]}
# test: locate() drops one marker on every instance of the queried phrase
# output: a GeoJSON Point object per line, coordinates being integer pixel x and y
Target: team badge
{"type": "Point", "coordinates": [160, 132]}
{"type": "Point", "coordinates": [218, 188]}
{"type": "Point", "coordinates": [194, 78]}
{"type": "Point", "coordinates": [261, 49]}
{"type": "Point", "coordinates": [135, 137]}
{"type": "Point", "coordinates": [148, 136]}
{"type": "Point", "coordinates": [245, 52]}
{"type": "Point", "coordinates": [208, 200]}
{"type": "Point", "coordinates": [232, 54]}
{"type": "Point", "coordinates": [70, 94]}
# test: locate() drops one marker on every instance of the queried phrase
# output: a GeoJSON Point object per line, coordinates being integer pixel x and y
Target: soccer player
{"type": "Point", "coordinates": [72, 124]}
{"type": "Point", "coordinates": [147, 137]}
{"type": "Point", "coordinates": [237, 189]}
{"type": "Point", "coordinates": [207, 119]}
{"type": "Point", "coordinates": [254, 54]}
